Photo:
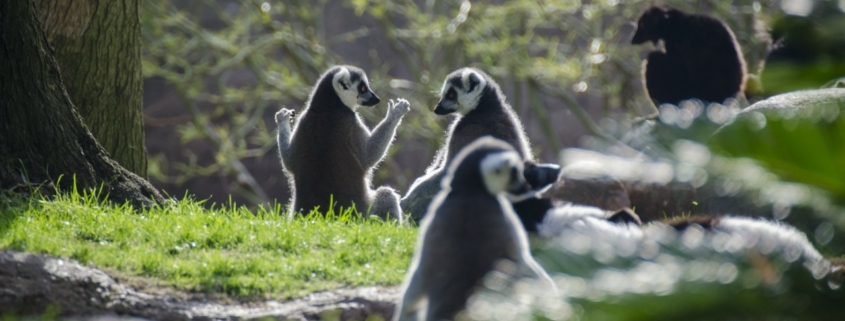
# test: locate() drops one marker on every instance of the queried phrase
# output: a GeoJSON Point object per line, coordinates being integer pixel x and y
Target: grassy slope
{"type": "Point", "coordinates": [230, 250]}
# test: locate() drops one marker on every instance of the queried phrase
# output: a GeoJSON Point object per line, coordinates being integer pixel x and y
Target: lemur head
{"type": "Point", "coordinates": [653, 24]}
{"type": "Point", "coordinates": [502, 172]}
{"type": "Point", "coordinates": [488, 162]}
{"type": "Point", "coordinates": [461, 91]}
{"type": "Point", "coordinates": [351, 85]}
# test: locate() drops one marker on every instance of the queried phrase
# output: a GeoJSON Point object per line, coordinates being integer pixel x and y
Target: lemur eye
{"type": "Point", "coordinates": [363, 88]}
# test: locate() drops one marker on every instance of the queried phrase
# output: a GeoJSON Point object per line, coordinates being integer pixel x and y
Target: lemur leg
{"type": "Point", "coordinates": [383, 133]}
{"type": "Point", "coordinates": [421, 193]}
{"type": "Point", "coordinates": [283, 139]}
{"type": "Point", "coordinates": [386, 204]}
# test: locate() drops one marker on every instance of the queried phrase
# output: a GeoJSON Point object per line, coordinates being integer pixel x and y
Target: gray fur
{"type": "Point", "coordinates": [468, 232]}
{"type": "Point", "coordinates": [283, 120]}
{"type": "Point", "coordinates": [490, 116]}
{"type": "Point", "coordinates": [330, 153]}
{"type": "Point", "coordinates": [386, 200]}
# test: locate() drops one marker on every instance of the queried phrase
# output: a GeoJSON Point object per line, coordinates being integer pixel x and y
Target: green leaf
{"type": "Point", "coordinates": [799, 136]}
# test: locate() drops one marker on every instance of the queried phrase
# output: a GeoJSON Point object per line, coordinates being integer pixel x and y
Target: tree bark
{"type": "Point", "coordinates": [42, 136]}
{"type": "Point", "coordinates": [97, 44]}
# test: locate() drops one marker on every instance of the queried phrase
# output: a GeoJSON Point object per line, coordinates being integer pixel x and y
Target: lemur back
{"type": "Point", "coordinates": [330, 153]}
{"type": "Point", "coordinates": [499, 122]}
{"type": "Point", "coordinates": [331, 168]}
{"type": "Point", "coordinates": [472, 227]}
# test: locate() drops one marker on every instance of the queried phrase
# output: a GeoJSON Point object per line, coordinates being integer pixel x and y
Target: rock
{"type": "Point", "coordinates": [587, 183]}
{"type": "Point", "coordinates": [614, 183]}
{"type": "Point", "coordinates": [32, 283]}
{"type": "Point", "coordinates": [657, 202]}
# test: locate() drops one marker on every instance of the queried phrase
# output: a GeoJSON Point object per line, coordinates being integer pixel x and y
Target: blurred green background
{"type": "Point", "coordinates": [216, 71]}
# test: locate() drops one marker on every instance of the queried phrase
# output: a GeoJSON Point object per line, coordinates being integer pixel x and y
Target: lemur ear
{"type": "Point", "coordinates": [473, 81]}
{"type": "Point", "coordinates": [342, 78]}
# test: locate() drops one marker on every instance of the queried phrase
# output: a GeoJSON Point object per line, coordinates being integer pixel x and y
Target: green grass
{"type": "Point", "coordinates": [228, 249]}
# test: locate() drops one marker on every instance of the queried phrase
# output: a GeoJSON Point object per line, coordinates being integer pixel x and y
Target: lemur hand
{"type": "Point", "coordinates": [398, 108]}
{"type": "Point", "coordinates": [284, 117]}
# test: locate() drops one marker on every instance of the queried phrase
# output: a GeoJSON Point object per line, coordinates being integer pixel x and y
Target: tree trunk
{"type": "Point", "coordinates": [42, 136]}
{"type": "Point", "coordinates": [97, 44]}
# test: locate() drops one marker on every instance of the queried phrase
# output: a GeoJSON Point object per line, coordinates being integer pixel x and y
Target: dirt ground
{"type": "Point", "coordinates": [32, 284]}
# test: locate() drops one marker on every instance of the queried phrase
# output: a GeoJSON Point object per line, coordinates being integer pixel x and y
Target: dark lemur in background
{"type": "Point", "coordinates": [702, 59]}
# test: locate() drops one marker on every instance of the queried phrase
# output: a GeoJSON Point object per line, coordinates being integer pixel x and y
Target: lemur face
{"type": "Point", "coordinates": [502, 172]}
{"type": "Point", "coordinates": [353, 88]}
{"type": "Point", "coordinates": [650, 25]}
{"type": "Point", "coordinates": [461, 92]}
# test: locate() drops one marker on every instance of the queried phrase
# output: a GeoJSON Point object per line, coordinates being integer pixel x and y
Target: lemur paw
{"type": "Point", "coordinates": [284, 116]}
{"type": "Point", "coordinates": [398, 108]}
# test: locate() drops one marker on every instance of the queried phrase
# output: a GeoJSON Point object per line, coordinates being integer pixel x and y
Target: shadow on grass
{"type": "Point", "coordinates": [10, 208]}
{"type": "Point", "coordinates": [16, 201]}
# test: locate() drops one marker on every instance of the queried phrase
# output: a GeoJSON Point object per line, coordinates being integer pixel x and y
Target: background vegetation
{"type": "Point", "coordinates": [566, 66]}
{"type": "Point", "coordinates": [217, 70]}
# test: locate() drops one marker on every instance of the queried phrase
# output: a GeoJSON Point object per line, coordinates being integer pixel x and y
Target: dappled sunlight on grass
{"type": "Point", "coordinates": [224, 249]}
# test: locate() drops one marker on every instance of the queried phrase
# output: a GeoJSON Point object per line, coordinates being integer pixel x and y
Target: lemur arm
{"type": "Point", "coordinates": [531, 269]}
{"type": "Point", "coordinates": [421, 193]}
{"type": "Point", "coordinates": [383, 133]}
{"type": "Point", "coordinates": [283, 139]}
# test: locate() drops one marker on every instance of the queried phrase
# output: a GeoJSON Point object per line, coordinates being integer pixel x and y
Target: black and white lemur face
{"type": "Point", "coordinates": [353, 88]}
{"type": "Point", "coordinates": [502, 172]}
{"type": "Point", "coordinates": [461, 92]}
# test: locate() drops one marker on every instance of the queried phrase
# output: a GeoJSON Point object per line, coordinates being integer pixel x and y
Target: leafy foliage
{"type": "Point", "coordinates": [547, 55]}
{"type": "Point", "coordinates": [234, 63]}
{"type": "Point", "coordinates": [689, 275]}
{"type": "Point", "coordinates": [799, 136]}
